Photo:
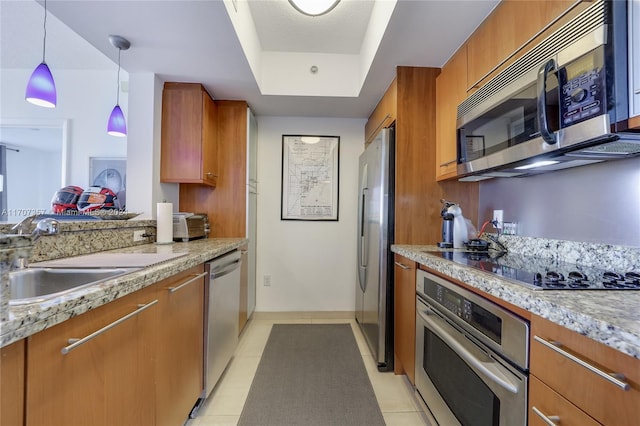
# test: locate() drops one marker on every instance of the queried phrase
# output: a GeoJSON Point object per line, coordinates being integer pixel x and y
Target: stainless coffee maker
{"type": "Point", "coordinates": [447, 225]}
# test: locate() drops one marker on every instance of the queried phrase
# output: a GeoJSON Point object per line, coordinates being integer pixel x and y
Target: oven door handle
{"type": "Point", "coordinates": [488, 371]}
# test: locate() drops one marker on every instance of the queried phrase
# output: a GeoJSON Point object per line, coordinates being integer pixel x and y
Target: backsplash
{"type": "Point", "coordinates": [607, 256]}
{"type": "Point", "coordinates": [76, 238]}
{"type": "Point", "coordinates": [598, 203]}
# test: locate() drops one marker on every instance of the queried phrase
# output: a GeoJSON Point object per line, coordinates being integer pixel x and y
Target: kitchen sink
{"type": "Point", "coordinates": [38, 284]}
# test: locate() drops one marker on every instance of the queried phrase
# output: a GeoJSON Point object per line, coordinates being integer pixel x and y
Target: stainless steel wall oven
{"type": "Point", "coordinates": [471, 356]}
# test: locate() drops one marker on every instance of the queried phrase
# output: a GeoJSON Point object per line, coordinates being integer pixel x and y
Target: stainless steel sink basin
{"type": "Point", "coordinates": [39, 284]}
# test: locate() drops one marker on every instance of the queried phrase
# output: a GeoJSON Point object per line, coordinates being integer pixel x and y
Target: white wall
{"type": "Point", "coordinates": [312, 264]}
{"type": "Point", "coordinates": [86, 98]}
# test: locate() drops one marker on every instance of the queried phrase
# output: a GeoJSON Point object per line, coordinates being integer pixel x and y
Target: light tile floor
{"type": "Point", "coordinates": [395, 395]}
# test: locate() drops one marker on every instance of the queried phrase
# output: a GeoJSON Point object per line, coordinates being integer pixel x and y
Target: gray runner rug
{"type": "Point", "coordinates": [311, 375]}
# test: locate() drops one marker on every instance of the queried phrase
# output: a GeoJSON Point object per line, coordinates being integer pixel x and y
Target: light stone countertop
{"type": "Point", "coordinates": [26, 320]}
{"type": "Point", "coordinates": [606, 316]}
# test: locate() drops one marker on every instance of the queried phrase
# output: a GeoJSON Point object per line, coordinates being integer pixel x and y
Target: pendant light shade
{"type": "Point", "coordinates": [41, 89]}
{"type": "Point", "coordinates": [314, 7]}
{"type": "Point", "coordinates": [117, 125]}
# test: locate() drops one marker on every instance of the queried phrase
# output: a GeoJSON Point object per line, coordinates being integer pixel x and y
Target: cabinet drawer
{"type": "Point", "coordinates": [569, 363]}
{"type": "Point", "coordinates": [543, 401]}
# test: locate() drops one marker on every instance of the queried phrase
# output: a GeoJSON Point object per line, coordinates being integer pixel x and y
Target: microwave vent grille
{"type": "Point", "coordinates": [584, 23]}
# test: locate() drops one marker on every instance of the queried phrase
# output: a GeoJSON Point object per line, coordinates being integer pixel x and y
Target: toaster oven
{"type": "Point", "coordinates": [190, 226]}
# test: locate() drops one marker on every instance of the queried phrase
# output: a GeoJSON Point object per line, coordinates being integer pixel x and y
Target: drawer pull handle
{"type": "Point", "coordinates": [186, 283]}
{"type": "Point", "coordinates": [403, 266]}
{"type": "Point", "coordinates": [549, 420]}
{"type": "Point", "coordinates": [614, 378]}
{"type": "Point", "coordinates": [74, 343]}
{"type": "Point", "coordinates": [636, 92]}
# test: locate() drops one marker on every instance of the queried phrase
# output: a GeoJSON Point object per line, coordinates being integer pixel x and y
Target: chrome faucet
{"type": "Point", "coordinates": [45, 226]}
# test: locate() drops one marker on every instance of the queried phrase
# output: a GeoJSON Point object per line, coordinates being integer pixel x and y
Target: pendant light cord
{"type": "Point", "coordinates": [118, 83]}
{"type": "Point", "coordinates": [44, 39]}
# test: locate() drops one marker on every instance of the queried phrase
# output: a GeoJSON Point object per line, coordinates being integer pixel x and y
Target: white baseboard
{"type": "Point", "coordinates": [292, 315]}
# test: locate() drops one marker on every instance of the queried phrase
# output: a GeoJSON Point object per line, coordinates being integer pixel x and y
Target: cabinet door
{"type": "Point", "coordinates": [547, 405]}
{"type": "Point", "coordinates": [189, 137]}
{"type": "Point", "coordinates": [508, 28]}
{"type": "Point", "coordinates": [552, 350]}
{"type": "Point", "coordinates": [105, 380]}
{"type": "Point", "coordinates": [450, 92]}
{"type": "Point", "coordinates": [384, 114]}
{"type": "Point", "coordinates": [179, 363]}
{"type": "Point", "coordinates": [12, 384]}
{"type": "Point", "coordinates": [405, 317]}
{"type": "Point", "coordinates": [209, 141]}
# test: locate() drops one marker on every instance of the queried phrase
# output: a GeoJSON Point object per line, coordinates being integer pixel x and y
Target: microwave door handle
{"type": "Point", "coordinates": [485, 370]}
{"type": "Point", "coordinates": [548, 136]}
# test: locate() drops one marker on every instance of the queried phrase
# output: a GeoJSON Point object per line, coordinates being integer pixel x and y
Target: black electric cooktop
{"type": "Point", "coordinates": [543, 273]}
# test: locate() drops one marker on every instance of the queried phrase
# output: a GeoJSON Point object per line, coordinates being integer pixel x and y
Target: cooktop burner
{"type": "Point", "coordinates": [543, 273]}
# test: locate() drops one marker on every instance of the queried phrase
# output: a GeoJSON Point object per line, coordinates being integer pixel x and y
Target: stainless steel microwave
{"type": "Point", "coordinates": [563, 104]}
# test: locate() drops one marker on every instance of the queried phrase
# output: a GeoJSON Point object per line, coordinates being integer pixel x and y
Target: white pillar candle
{"type": "Point", "coordinates": [164, 223]}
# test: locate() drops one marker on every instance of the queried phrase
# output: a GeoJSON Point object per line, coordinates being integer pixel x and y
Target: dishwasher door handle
{"type": "Point", "coordinates": [226, 269]}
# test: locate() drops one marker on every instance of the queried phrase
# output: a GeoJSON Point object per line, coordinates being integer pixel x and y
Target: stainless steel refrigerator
{"type": "Point", "coordinates": [374, 287]}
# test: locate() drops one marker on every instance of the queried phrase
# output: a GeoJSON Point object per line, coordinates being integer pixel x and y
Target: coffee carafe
{"type": "Point", "coordinates": [454, 227]}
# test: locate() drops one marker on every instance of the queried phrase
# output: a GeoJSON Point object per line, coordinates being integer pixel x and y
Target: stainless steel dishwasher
{"type": "Point", "coordinates": [222, 303]}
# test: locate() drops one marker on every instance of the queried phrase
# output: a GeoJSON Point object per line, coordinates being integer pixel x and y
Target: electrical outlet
{"type": "Point", "coordinates": [267, 280]}
{"type": "Point", "coordinates": [498, 217]}
{"type": "Point", "coordinates": [138, 236]}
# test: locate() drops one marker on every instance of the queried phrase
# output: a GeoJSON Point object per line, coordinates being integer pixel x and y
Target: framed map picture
{"type": "Point", "coordinates": [310, 171]}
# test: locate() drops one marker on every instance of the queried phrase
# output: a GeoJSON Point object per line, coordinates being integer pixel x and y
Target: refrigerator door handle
{"type": "Point", "coordinates": [364, 240]}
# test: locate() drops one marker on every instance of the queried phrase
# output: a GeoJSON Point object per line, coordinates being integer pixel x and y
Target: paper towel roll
{"type": "Point", "coordinates": [164, 223]}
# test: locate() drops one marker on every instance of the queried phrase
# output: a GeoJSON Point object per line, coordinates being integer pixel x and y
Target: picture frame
{"type": "Point", "coordinates": [310, 177]}
{"type": "Point", "coordinates": [109, 172]}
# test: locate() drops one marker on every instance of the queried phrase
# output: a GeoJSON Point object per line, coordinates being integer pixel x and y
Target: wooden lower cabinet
{"type": "Point", "coordinates": [179, 349]}
{"type": "Point", "coordinates": [12, 384]}
{"type": "Point", "coordinates": [546, 404]}
{"type": "Point", "coordinates": [404, 317]}
{"type": "Point", "coordinates": [143, 367]}
{"type": "Point", "coordinates": [107, 380]}
{"type": "Point", "coordinates": [552, 349]}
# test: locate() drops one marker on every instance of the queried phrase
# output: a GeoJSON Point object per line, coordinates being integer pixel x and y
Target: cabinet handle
{"type": "Point", "coordinates": [186, 283]}
{"type": "Point", "coordinates": [243, 252]}
{"type": "Point", "coordinates": [211, 174]}
{"type": "Point", "coordinates": [447, 163]}
{"type": "Point", "coordinates": [610, 377]}
{"type": "Point", "coordinates": [549, 420]}
{"type": "Point", "coordinates": [403, 266]}
{"type": "Point", "coordinates": [636, 92]}
{"type": "Point", "coordinates": [74, 343]}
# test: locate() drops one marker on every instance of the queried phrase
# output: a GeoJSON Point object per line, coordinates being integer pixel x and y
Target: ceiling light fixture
{"type": "Point", "coordinates": [314, 7]}
{"type": "Point", "coordinates": [117, 125]}
{"type": "Point", "coordinates": [41, 89]}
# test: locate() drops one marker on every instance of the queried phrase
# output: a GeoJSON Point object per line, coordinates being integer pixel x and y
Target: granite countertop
{"type": "Point", "coordinates": [609, 317]}
{"type": "Point", "coordinates": [25, 320]}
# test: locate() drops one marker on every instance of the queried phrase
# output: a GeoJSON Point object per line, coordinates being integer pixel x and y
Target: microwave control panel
{"type": "Point", "coordinates": [581, 97]}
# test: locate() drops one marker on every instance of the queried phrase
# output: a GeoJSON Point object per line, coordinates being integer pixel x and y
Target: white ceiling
{"type": "Point", "coordinates": [195, 41]}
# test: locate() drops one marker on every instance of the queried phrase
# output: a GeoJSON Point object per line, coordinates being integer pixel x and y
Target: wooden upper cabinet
{"type": "Point", "coordinates": [189, 135]}
{"type": "Point", "coordinates": [511, 25]}
{"type": "Point", "coordinates": [385, 113]}
{"type": "Point", "coordinates": [450, 92]}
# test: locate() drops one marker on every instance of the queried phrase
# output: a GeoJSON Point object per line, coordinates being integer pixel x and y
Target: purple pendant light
{"type": "Point", "coordinates": [41, 89]}
{"type": "Point", "coordinates": [117, 125]}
